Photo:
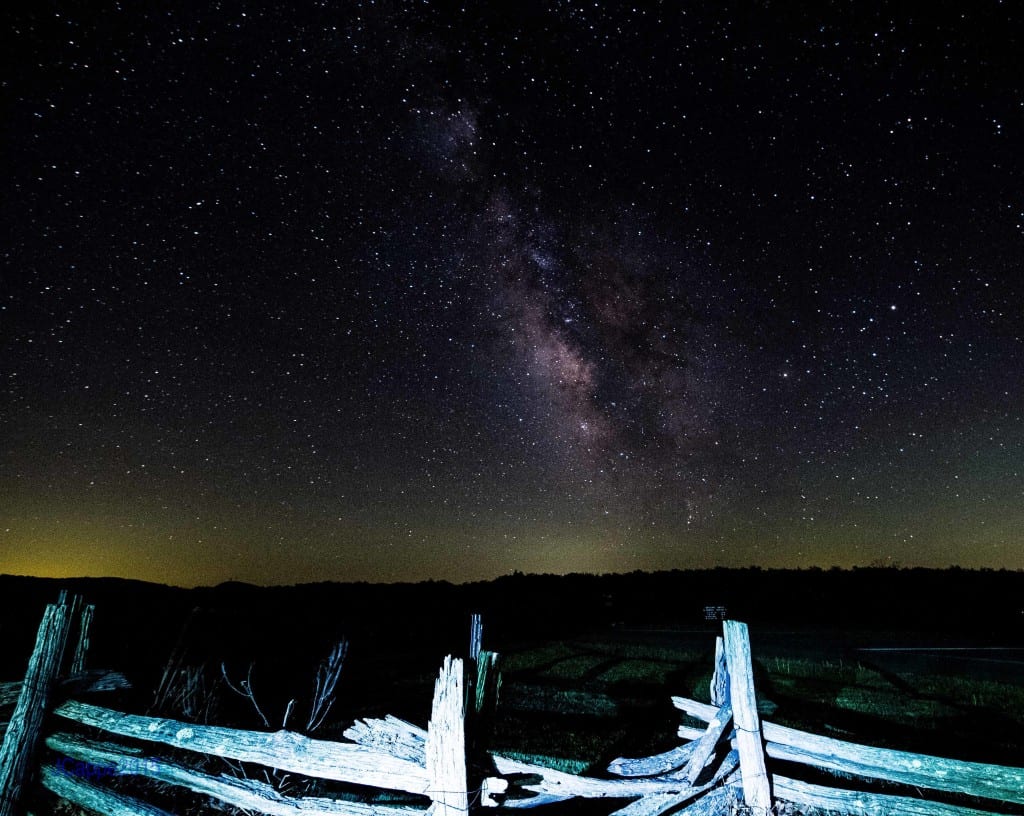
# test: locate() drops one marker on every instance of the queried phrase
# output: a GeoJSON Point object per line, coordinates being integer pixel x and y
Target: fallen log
{"type": "Point", "coordinates": [558, 785]}
{"type": "Point", "coordinates": [341, 762]}
{"type": "Point", "coordinates": [565, 785]}
{"type": "Point", "coordinates": [655, 765]}
{"type": "Point", "coordinates": [998, 782]}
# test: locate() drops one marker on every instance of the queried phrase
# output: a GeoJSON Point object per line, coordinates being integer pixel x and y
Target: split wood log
{"type": "Point", "coordinates": [94, 798]}
{"type": "Point", "coordinates": [998, 782]}
{"type": "Point", "coordinates": [720, 677]}
{"type": "Point", "coordinates": [657, 764]}
{"type": "Point", "coordinates": [704, 747]}
{"type": "Point", "coordinates": [713, 803]}
{"type": "Point", "coordinates": [250, 794]}
{"type": "Point", "coordinates": [730, 762]}
{"type": "Point", "coordinates": [446, 743]}
{"type": "Point", "coordinates": [82, 647]}
{"type": "Point", "coordinates": [391, 736]}
{"type": "Point", "coordinates": [653, 805]}
{"type": "Point", "coordinates": [521, 804]}
{"type": "Point", "coordinates": [286, 750]}
{"type": "Point", "coordinates": [756, 789]}
{"type": "Point", "coordinates": [21, 738]}
{"type": "Point", "coordinates": [688, 732]}
{"type": "Point", "coordinates": [858, 803]}
{"type": "Point", "coordinates": [565, 785]}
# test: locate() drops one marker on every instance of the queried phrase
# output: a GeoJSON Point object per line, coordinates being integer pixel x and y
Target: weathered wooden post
{"type": "Point", "coordinates": [756, 788]}
{"type": "Point", "coordinates": [485, 693]}
{"type": "Point", "coordinates": [720, 678]}
{"type": "Point", "coordinates": [446, 743]}
{"type": "Point", "coordinates": [23, 731]}
{"type": "Point", "coordinates": [82, 647]}
{"type": "Point", "coordinates": [476, 636]}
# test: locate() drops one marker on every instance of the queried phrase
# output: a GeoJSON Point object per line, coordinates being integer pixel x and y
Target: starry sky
{"type": "Point", "coordinates": [414, 290]}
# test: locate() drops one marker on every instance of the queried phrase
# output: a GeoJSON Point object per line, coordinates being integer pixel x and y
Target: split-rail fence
{"type": "Point", "coordinates": [733, 761]}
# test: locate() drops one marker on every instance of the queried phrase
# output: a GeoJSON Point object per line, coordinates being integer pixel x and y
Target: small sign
{"type": "Point", "coordinates": [714, 613]}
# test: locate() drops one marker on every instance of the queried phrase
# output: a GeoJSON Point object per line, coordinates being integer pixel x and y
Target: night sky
{"type": "Point", "coordinates": [402, 290]}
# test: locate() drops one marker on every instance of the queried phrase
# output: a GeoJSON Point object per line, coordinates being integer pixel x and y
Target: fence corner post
{"type": "Point", "coordinates": [756, 785]}
{"type": "Point", "coordinates": [446, 743]}
{"type": "Point", "coordinates": [23, 732]}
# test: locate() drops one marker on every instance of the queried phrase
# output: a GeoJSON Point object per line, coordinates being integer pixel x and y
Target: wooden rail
{"type": "Point", "coordinates": [388, 754]}
{"type": "Point", "coordinates": [732, 760]}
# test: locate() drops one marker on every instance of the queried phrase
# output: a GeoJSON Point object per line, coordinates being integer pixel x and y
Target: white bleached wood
{"type": "Point", "coordinates": [653, 805]}
{"type": "Point", "coordinates": [532, 802]}
{"type": "Point", "coordinates": [94, 798]}
{"type": "Point", "coordinates": [999, 782]}
{"type": "Point", "coordinates": [22, 735]}
{"type": "Point", "coordinates": [491, 787]}
{"type": "Point", "coordinates": [565, 785]}
{"type": "Point", "coordinates": [286, 750]}
{"type": "Point", "coordinates": [858, 803]}
{"type": "Point", "coordinates": [654, 765]}
{"type": "Point", "coordinates": [243, 793]}
{"type": "Point", "coordinates": [705, 746]}
{"type": "Point", "coordinates": [714, 803]}
{"type": "Point", "coordinates": [446, 743]}
{"type": "Point", "coordinates": [756, 789]}
{"type": "Point", "coordinates": [391, 736]}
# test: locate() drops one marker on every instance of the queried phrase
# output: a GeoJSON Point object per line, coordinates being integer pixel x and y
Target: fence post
{"type": "Point", "coordinates": [23, 731]}
{"type": "Point", "coordinates": [82, 648]}
{"type": "Point", "coordinates": [756, 790]}
{"type": "Point", "coordinates": [476, 636]}
{"type": "Point", "coordinates": [720, 678]}
{"type": "Point", "coordinates": [446, 743]}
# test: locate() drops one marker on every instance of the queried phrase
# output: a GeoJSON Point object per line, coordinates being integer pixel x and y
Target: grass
{"type": "Point", "coordinates": [595, 699]}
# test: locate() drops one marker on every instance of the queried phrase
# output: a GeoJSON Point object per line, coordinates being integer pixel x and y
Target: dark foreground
{"type": "Point", "coordinates": [931, 662]}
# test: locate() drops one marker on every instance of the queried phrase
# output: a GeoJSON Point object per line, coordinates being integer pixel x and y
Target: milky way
{"type": "Point", "coordinates": [405, 291]}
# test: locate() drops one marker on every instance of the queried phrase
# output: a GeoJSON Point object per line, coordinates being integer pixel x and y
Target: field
{"type": "Point", "coordinates": [588, 700]}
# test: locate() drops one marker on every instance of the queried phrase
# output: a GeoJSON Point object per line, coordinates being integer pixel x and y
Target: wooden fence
{"type": "Point", "coordinates": [733, 760]}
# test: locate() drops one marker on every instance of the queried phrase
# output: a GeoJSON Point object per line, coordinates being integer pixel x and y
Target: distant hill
{"type": "Point", "coordinates": [137, 624]}
{"type": "Point", "coordinates": [912, 598]}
